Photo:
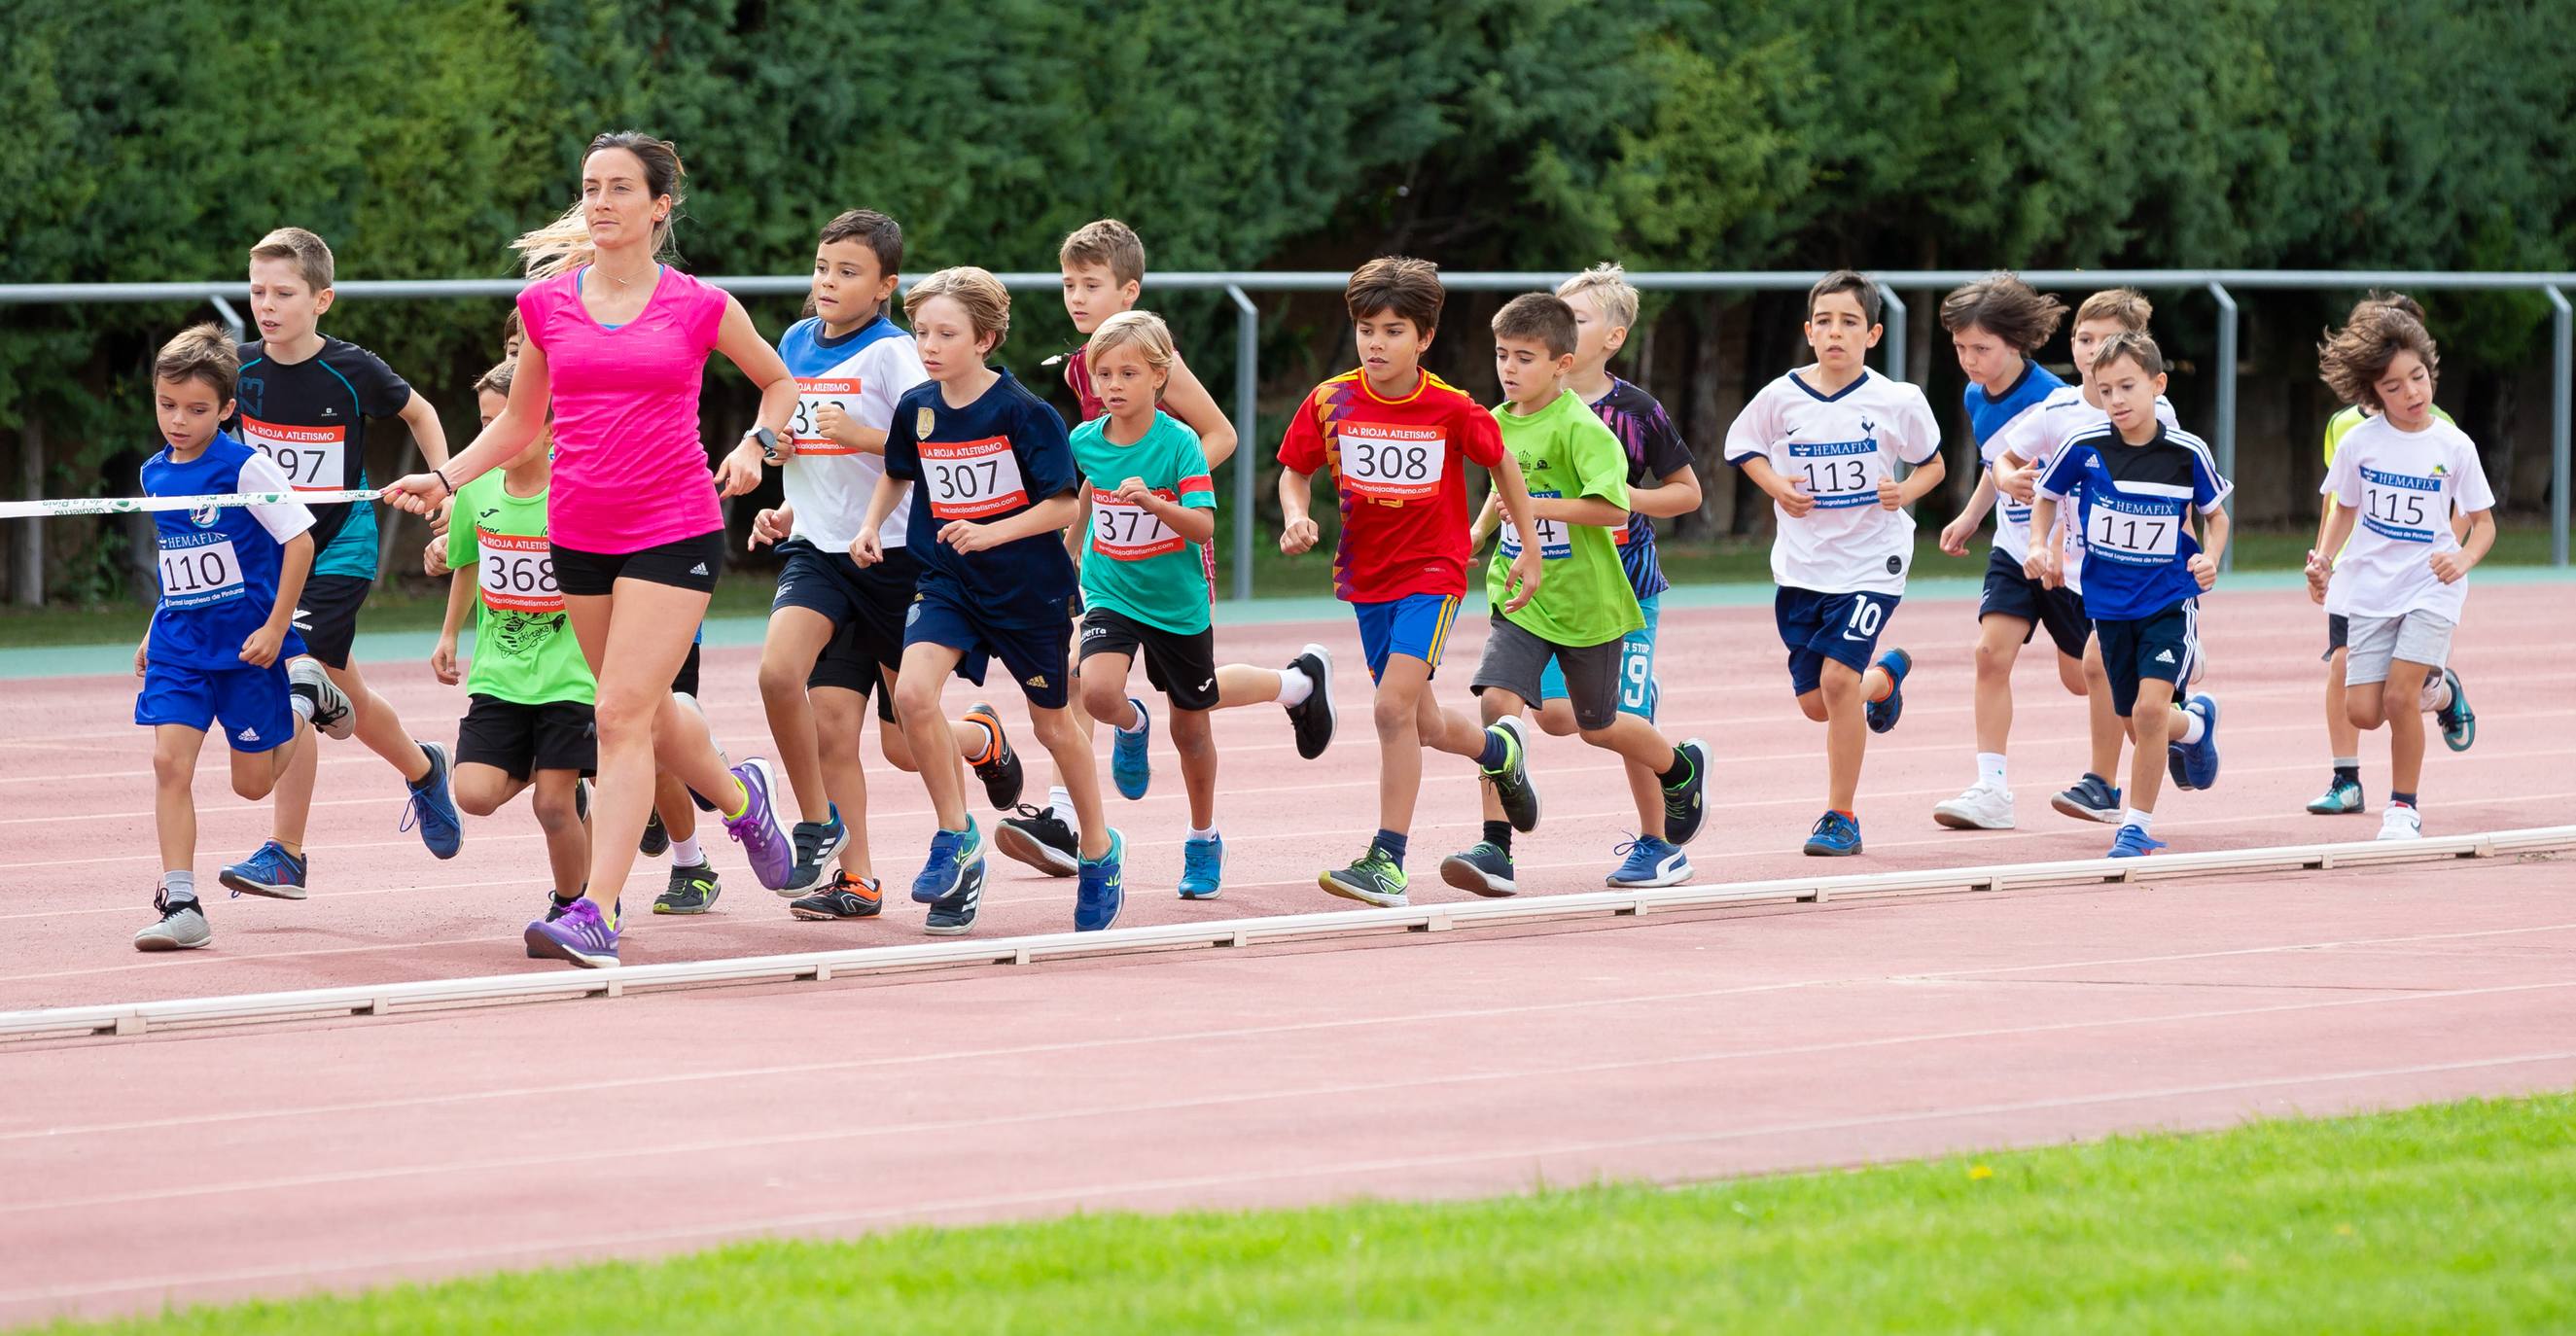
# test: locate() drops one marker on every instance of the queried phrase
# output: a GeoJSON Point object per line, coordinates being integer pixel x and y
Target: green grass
{"type": "Point", "coordinates": [2446, 1218]}
{"type": "Point", "coordinates": [413, 605]}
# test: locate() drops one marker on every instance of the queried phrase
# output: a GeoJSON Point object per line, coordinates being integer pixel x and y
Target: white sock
{"type": "Point", "coordinates": [2194, 728]}
{"type": "Point", "coordinates": [1990, 769]}
{"type": "Point", "coordinates": [1198, 834]}
{"type": "Point", "coordinates": [303, 705]}
{"type": "Point", "coordinates": [2141, 818]}
{"type": "Point", "coordinates": [2437, 693]}
{"type": "Point", "coordinates": [1060, 802]}
{"type": "Point", "coordinates": [684, 853]}
{"type": "Point", "coordinates": [179, 885]}
{"type": "Point", "coordinates": [1294, 687]}
{"type": "Point", "coordinates": [1137, 727]}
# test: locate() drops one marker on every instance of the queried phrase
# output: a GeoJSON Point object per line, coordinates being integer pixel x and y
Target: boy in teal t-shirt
{"type": "Point", "coordinates": [529, 724]}
{"type": "Point", "coordinates": [1144, 589]}
{"type": "Point", "coordinates": [1577, 473]}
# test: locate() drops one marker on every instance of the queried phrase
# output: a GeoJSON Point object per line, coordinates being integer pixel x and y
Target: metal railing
{"type": "Point", "coordinates": [1237, 286]}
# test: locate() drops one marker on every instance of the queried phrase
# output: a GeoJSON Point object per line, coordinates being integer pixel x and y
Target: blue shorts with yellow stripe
{"type": "Point", "coordinates": [1416, 625]}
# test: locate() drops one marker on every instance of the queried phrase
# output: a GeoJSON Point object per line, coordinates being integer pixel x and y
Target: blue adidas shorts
{"type": "Point", "coordinates": [2163, 645]}
{"type": "Point", "coordinates": [253, 703]}
{"type": "Point", "coordinates": [1840, 627]}
{"type": "Point", "coordinates": [1038, 656]}
{"type": "Point", "coordinates": [1637, 687]}
{"type": "Point", "coordinates": [1416, 625]}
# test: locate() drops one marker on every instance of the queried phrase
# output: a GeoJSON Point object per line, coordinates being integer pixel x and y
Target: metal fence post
{"type": "Point", "coordinates": [1894, 341]}
{"type": "Point", "coordinates": [2226, 405]}
{"type": "Point", "coordinates": [1247, 426]}
{"type": "Point", "coordinates": [2563, 341]}
{"type": "Point", "coordinates": [232, 319]}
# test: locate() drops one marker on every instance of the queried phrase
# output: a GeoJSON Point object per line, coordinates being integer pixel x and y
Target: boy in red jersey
{"type": "Point", "coordinates": [1398, 441]}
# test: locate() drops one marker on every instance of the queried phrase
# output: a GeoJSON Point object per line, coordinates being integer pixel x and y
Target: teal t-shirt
{"type": "Point", "coordinates": [1584, 598]}
{"type": "Point", "coordinates": [524, 648]}
{"type": "Point", "coordinates": [1134, 564]}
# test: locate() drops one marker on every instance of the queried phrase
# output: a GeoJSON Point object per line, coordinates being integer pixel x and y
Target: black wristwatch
{"type": "Point", "coordinates": [768, 444]}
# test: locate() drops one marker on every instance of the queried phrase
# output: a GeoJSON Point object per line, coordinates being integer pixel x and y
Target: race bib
{"type": "Point", "coordinates": [2134, 536]}
{"type": "Point", "coordinates": [312, 458]}
{"type": "Point", "coordinates": [970, 480]}
{"type": "Point", "coordinates": [1395, 464]}
{"type": "Point", "coordinates": [192, 577]}
{"type": "Point", "coordinates": [1837, 473]}
{"type": "Point", "coordinates": [804, 432]}
{"type": "Point", "coordinates": [1130, 532]}
{"type": "Point", "coordinates": [517, 573]}
{"type": "Point", "coordinates": [2402, 507]}
{"type": "Point", "coordinates": [1555, 539]}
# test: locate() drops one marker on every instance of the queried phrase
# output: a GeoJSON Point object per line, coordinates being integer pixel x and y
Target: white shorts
{"type": "Point", "coordinates": [2376, 642]}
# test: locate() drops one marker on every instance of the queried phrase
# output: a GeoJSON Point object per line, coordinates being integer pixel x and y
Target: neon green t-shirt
{"type": "Point", "coordinates": [524, 649]}
{"type": "Point", "coordinates": [1584, 598]}
{"type": "Point", "coordinates": [1134, 564]}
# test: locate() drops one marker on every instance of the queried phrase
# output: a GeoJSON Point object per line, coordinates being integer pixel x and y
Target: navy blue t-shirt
{"type": "Point", "coordinates": [218, 567]}
{"type": "Point", "coordinates": [2134, 504]}
{"type": "Point", "coordinates": [988, 461]}
{"type": "Point", "coordinates": [1987, 413]}
{"type": "Point", "coordinates": [310, 419]}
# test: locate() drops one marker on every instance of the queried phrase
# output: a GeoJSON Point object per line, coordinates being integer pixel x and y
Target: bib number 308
{"type": "Point", "coordinates": [1381, 462]}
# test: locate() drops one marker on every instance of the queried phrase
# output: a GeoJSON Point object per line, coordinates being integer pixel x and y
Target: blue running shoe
{"type": "Point", "coordinates": [1883, 714]}
{"type": "Point", "coordinates": [2341, 797]}
{"type": "Point", "coordinates": [2200, 759]}
{"type": "Point", "coordinates": [581, 934]}
{"type": "Point", "coordinates": [432, 807]}
{"type": "Point", "coordinates": [1650, 862]}
{"type": "Point", "coordinates": [2133, 842]}
{"type": "Point", "coordinates": [1128, 764]}
{"type": "Point", "coordinates": [2459, 722]}
{"type": "Point", "coordinates": [1835, 836]}
{"type": "Point", "coordinates": [2091, 798]}
{"type": "Point", "coordinates": [271, 872]}
{"type": "Point", "coordinates": [1203, 868]}
{"type": "Point", "coordinates": [951, 854]}
{"type": "Point", "coordinates": [1101, 890]}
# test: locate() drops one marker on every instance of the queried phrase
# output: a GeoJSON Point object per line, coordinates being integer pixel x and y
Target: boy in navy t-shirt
{"type": "Point", "coordinates": [224, 624]}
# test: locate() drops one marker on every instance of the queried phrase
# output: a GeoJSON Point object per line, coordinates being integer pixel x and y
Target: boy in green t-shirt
{"type": "Point", "coordinates": [529, 726]}
{"type": "Point", "coordinates": [1577, 473]}
{"type": "Point", "coordinates": [1143, 588]}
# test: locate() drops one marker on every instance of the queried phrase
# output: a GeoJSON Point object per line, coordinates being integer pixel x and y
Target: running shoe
{"type": "Point", "coordinates": [1001, 771]}
{"type": "Point", "coordinates": [432, 807]}
{"type": "Point", "coordinates": [847, 897]}
{"type": "Point", "coordinates": [1686, 804]}
{"type": "Point", "coordinates": [1041, 839]}
{"type": "Point", "coordinates": [1650, 862]}
{"type": "Point", "coordinates": [2459, 722]}
{"type": "Point", "coordinates": [555, 909]}
{"type": "Point", "coordinates": [1983, 807]}
{"type": "Point", "coordinates": [2401, 822]}
{"type": "Point", "coordinates": [691, 890]}
{"type": "Point", "coordinates": [773, 859]}
{"type": "Point", "coordinates": [1883, 714]}
{"type": "Point", "coordinates": [952, 854]}
{"type": "Point", "coordinates": [953, 914]}
{"type": "Point", "coordinates": [2133, 842]}
{"type": "Point", "coordinates": [1129, 765]}
{"type": "Point", "coordinates": [1313, 718]}
{"type": "Point", "coordinates": [181, 927]}
{"type": "Point", "coordinates": [1834, 836]}
{"type": "Point", "coordinates": [2198, 761]}
{"type": "Point", "coordinates": [1102, 891]}
{"type": "Point", "coordinates": [1202, 867]}
{"type": "Point", "coordinates": [271, 872]}
{"type": "Point", "coordinates": [582, 935]}
{"type": "Point", "coordinates": [332, 713]}
{"type": "Point", "coordinates": [2091, 798]}
{"type": "Point", "coordinates": [657, 837]}
{"type": "Point", "coordinates": [2342, 796]}
{"type": "Point", "coordinates": [1375, 879]}
{"type": "Point", "coordinates": [1484, 869]}
{"type": "Point", "coordinates": [817, 844]}
{"type": "Point", "coordinates": [1511, 779]}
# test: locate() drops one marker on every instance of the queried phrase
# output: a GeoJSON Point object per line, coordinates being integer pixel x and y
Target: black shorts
{"type": "Point", "coordinates": [2163, 645]}
{"type": "Point", "coordinates": [326, 616]}
{"type": "Point", "coordinates": [688, 563]}
{"type": "Point", "coordinates": [2338, 635]}
{"type": "Point", "coordinates": [520, 740]}
{"type": "Point", "coordinates": [866, 606]}
{"type": "Point", "coordinates": [2012, 593]}
{"type": "Point", "coordinates": [685, 681]}
{"type": "Point", "coordinates": [1182, 667]}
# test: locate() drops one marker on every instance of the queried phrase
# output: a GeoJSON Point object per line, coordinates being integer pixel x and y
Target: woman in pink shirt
{"type": "Point", "coordinates": [616, 344]}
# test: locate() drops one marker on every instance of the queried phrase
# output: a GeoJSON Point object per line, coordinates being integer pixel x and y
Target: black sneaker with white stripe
{"type": "Point", "coordinates": [1313, 718]}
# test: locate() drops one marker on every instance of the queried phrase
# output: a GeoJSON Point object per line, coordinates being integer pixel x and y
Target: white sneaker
{"type": "Point", "coordinates": [2400, 822]}
{"type": "Point", "coordinates": [1982, 807]}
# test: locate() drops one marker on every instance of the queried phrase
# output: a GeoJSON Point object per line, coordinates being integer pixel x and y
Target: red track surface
{"type": "Point", "coordinates": [1683, 1046]}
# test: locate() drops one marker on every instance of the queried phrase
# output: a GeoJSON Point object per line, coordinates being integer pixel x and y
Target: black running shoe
{"type": "Point", "coordinates": [1041, 839]}
{"type": "Point", "coordinates": [846, 898]}
{"type": "Point", "coordinates": [1313, 717]}
{"type": "Point", "coordinates": [817, 844]}
{"type": "Point", "coordinates": [1511, 780]}
{"type": "Point", "coordinates": [581, 801]}
{"type": "Point", "coordinates": [1001, 775]}
{"type": "Point", "coordinates": [1484, 869]}
{"type": "Point", "coordinates": [1685, 805]}
{"type": "Point", "coordinates": [657, 840]}
{"type": "Point", "coordinates": [693, 890]}
{"type": "Point", "coordinates": [953, 914]}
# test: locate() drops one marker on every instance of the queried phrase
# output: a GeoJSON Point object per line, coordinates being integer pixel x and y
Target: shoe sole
{"type": "Point", "coordinates": [660, 908]}
{"type": "Point", "coordinates": [1827, 851]}
{"type": "Point", "coordinates": [1332, 887]}
{"type": "Point", "coordinates": [1013, 843]}
{"type": "Point", "coordinates": [157, 945]}
{"type": "Point", "coordinates": [1467, 876]}
{"type": "Point", "coordinates": [827, 916]}
{"type": "Point", "coordinates": [1202, 895]}
{"type": "Point", "coordinates": [1964, 821]}
{"type": "Point", "coordinates": [1324, 691]}
{"type": "Point", "coordinates": [975, 870]}
{"type": "Point", "coordinates": [1674, 878]}
{"type": "Point", "coordinates": [2082, 813]}
{"type": "Point", "coordinates": [261, 889]}
{"type": "Point", "coordinates": [543, 947]}
{"type": "Point", "coordinates": [2315, 810]}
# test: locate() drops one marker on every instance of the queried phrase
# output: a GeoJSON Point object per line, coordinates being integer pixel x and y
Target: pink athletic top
{"type": "Point", "coordinates": [630, 470]}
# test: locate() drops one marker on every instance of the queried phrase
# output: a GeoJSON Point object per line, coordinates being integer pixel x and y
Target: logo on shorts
{"type": "Point", "coordinates": [1038, 682]}
{"type": "Point", "coordinates": [699, 569]}
{"type": "Point", "coordinates": [250, 735]}
{"type": "Point", "coordinates": [923, 421]}
{"type": "Point", "coordinates": [913, 613]}
{"type": "Point", "coordinates": [2165, 656]}
{"type": "Point", "coordinates": [1896, 565]}
{"type": "Point", "coordinates": [302, 621]}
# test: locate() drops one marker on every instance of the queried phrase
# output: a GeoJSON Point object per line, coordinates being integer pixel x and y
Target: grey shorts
{"type": "Point", "coordinates": [1516, 660]}
{"type": "Point", "coordinates": [2417, 637]}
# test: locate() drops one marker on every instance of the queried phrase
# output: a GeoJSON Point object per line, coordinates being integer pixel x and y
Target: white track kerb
{"type": "Point", "coordinates": [135, 1018]}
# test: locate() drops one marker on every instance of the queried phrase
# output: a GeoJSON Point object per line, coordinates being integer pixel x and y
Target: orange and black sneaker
{"type": "Point", "coordinates": [847, 897]}
{"type": "Point", "coordinates": [998, 766]}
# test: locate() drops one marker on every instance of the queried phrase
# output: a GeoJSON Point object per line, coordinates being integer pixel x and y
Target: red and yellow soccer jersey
{"type": "Point", "coordinates": [1400, 466]}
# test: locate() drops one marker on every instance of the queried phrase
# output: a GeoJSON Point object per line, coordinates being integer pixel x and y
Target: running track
{"type": "Point", "coordinates": [1719, 1042]}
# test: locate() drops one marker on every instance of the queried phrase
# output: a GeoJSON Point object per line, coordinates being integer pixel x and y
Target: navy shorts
{"type": "Point", "coordinates": [1416, 625]}
{"type": "Point", "coordinates": [1037, 655]}
{"type": "Point", "coordinates": [253, 703]}
{"type": "Point", "coordinates": [866, 606]}
{"type": "Point", "coordinates": [2164, 646]}
{"type": "Point", "coordinates": [326, 616]}
{"type": "Point", "coordinates": [1840, 627]}
{"type": "Point", "coordinates": [2011, 593]}
{"type": "Point", "coordinates": [2338, 634]}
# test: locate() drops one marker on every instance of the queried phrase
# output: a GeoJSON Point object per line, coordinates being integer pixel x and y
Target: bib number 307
{"type": "Point", "coordinates": [972, 480]}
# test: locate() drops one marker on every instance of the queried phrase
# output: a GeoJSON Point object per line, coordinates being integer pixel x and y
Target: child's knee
{"type": "Point", "coordinates": [172, 769]}
{"type": "Point", "coordinates": [1811, 703]}
{"type": "Point", "coordinates": [556, 811]}
{"type": "Point", "coordinates": [1395, 714]}
{"type": "Point", "coordinates": [1995, 655]}
{"type": "Point", "coordinates": [781, 679]}
{"type": "Point", "coordinates": [1105, 698]}
{"type": "Point", "coordinates": [915, 700]}
{"type": "Point", "coordinates": [1055, 728]}
{"type": "Point", "coordinates": [1493, 704]}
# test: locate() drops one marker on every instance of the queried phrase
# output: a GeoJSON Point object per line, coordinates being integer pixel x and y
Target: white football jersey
{"type": "Point", "coordinates": [1837, 448]}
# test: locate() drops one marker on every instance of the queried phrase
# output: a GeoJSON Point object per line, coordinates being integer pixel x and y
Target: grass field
{"type": "Point", "coordinates": [414, 605]}
{"type": "Point", "coordinates": [2445, 1218]}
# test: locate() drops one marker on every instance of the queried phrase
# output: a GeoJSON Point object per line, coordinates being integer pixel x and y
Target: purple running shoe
{"type": "Point", "coordinates": [581, 935]}
{"type": "Point", "coordinates": [773, 857]}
